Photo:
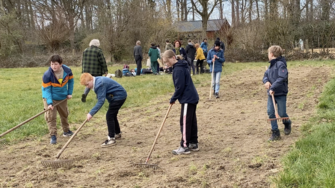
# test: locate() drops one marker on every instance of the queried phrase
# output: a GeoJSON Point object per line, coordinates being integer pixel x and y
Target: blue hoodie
{"type": "Point", "coordinates": [185, 91]}
{"type": "Point", "coordinates": [204, 46]}
{"type": "Point", "coordinates": [277, 75]}
{"type": "Point", "coordinates": [106, 88]}
{"type": "Point", "coordinates": [218, 62]}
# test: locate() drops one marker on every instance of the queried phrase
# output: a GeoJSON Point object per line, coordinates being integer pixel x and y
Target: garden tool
{"type": "Point", "coordinates": [62, 163]}
{"type": "Point", "coordinates": [26, 121]}
{"type": "Point", "coordinates": [212, 83]}
{"type": "Point", "coordinates": [154, 166]}
{"type": "Point", "coordinates": [278, 118]}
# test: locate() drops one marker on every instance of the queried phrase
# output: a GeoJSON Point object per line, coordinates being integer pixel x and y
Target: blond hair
{"type": "Point", "coordinates": [85, 77]}
{"type": "Point", "coordinates": [276, 50]}
{"type": "Point", "coordinates": [197, 45]}
{"type": "Point", "coordinates": [138, 42]}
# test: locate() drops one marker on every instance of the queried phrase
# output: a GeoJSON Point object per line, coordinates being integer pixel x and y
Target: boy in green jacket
{"type": "Point", "coordinates": [154, 55]}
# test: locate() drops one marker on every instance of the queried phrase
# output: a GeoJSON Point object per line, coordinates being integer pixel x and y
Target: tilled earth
{"type": "Point", "coordinates": [233, 134]}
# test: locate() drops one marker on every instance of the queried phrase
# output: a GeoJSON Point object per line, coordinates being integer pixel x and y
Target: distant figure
{"type": "Point", "coordinates": [159, 52]}
{"type": "Point", "coordinates": [178, 51]}
{"type": "Point", "coordinates": [190, 51]}
{"type": "Point", "coordinates": [204, 47]}
{"type": "Point", "coordinates": [154, 55]}
{"type": "Point", "coordinates": [301, 43]}
{"type": "Point", "coordinates": [93, 62]}
{"type": "Point", "coordinates": [222, 46]}
{"type": "Point", "coordinates": [168, 45]}
{"type": "Point", "coordinates": [216, 57]}
{"type": "Point", "coordinates": [138, 57]}
{"type": "Point", "coordinates": [200, 57]}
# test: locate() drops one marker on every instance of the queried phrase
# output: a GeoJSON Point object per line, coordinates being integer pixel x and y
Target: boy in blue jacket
{"type": "Point", "coordinates": [276, 82]}
{"type": "Point", "coordinates": [57, 85]}
{"type": "Point", "coordinates": [188, 97]}
{"type": "Point", "coordinates": [215, 56]}
{"type": "Point", "coordinates": [116, 95]}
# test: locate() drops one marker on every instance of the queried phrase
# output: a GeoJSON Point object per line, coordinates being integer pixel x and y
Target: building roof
{"type": "Point", "coordinates": [194, 26]}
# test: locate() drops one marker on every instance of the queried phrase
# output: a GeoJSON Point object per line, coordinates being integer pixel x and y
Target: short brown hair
{"type": "Point", "coordinates": [276, 50]}
{"type": "Point", "coordinates": [178, 42]}
{"type": "Point", "coordinates": [85, 77]}
{"type": "Point", "coordinates": [56, 58]}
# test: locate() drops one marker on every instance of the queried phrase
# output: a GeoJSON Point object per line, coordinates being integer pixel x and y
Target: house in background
{"type": "Point", "coordinates": [193, 29]}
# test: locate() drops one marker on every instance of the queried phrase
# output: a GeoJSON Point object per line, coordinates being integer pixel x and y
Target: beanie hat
{"type": "Point", "coordinates": [217, 43]}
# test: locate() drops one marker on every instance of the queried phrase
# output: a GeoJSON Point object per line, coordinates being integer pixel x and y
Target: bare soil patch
{"type": "Point", "coordinates": [233, 134]}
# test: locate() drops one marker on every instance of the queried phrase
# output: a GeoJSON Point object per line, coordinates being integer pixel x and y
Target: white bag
{"type": "Point", "coordinates": [148, 63]}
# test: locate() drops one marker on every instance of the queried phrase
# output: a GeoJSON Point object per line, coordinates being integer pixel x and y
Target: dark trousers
{"type": "Point", "coordinates": [192, 66]}
{"type": "Point", "coordinates": [281, 103]}
{"type": "Point", "coordinates": [138, 60]}
{"type": "Point", "coordinates": [157, 67]}
{"type": "Point", "coordinates": [199, 65]}
{"type": "Point", "coordinates": [111, 117]}
{"type": "Point", "coordinates": [188, 124]}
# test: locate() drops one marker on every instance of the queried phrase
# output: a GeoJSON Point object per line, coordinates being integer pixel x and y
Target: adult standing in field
{"type": "Point", "coordinates": [190, 51]}
{"type": "Point", "coordinates": [216, 57]}
{"type": "Point", "coordinates": [200, 57]}
{"type": "Point", "coordinates": [159, 53]}
{"type": "Point", "coordinates": [204, 47]}
{"type": "Point", "coordinates": [178, 51]}
{"type": "Point", "coordinates": [57, 85]}
{"type": "Point", "coordinates": [138, 55]}
{"type": "Point", "coordinates": [93, 62]}
{"type": "Point", "coordinates": [116, 95]}
{"type": "Point", "coordinates": [168, 45]}
{"type": "Point", "coordinates": [154, 55]}
{"type": "Point", "coordinates": [222, 46]}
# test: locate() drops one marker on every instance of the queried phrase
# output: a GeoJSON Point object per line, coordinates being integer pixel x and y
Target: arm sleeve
{"type": "Point", "coordinates": [149, 53]}
{"type": "Point", "coordinates": [101, 95]}
{"type": "Point", "coordinates": [221, 58]}
{"type": "Point", "coordinates": [102, 61]}
{"type": "Point", "coordinates": [140, 51]}
{"type": "Point", "coordinates": [71, 84]}
{"type": "Point", "coordinates": [179, 84]}
{"type": "Point", "coordinates": [46, 89]}
{"type": "Point", "coordinates": [282, 76]}
{"type": "Point", "coordinates": [265, 77]}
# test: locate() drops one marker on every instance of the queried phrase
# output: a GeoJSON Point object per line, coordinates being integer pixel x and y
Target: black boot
{"type": "Point", "coordinates": [275, 135]}
{"type": "Point", "coordinates": [287, 129]}
{"type": "Point", "coordinates": [83, 98]}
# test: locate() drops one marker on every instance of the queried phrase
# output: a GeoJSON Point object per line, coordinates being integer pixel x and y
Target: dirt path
{"type": "Point", "coordinates": [233, 134]}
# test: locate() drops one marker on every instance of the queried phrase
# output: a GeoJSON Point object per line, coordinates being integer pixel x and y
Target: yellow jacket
{"type": "Point", "coordinates": [200, 54]}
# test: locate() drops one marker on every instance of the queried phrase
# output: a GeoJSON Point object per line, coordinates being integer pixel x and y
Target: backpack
{"type": "Point", "coordinates": [118, 73]}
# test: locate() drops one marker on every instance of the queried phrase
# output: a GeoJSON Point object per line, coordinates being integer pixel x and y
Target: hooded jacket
{"type": "Point", "coordinates": [106, 88]}
{"type": "Point", "coordinates": [153, 54]}
{"type": "Point", "coordinates": [204, 46]}
{"type": "Point", "coordinates": [52, 89]}
{"type": "Point", "coordinates": [190, 51]}
{"type": "Point", "coordinates": [185, 90]}
{"type": "Point", "coordinates": [277, 75]}
{"type": "Point", "coordinates": [218, 62]}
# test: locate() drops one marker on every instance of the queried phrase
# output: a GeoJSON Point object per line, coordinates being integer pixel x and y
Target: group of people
{"type": "Point", "coordinates": [57, 88]}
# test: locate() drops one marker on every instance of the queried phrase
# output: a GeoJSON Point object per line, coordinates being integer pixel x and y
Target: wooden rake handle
{"type": "Point", "coordinates": [210, 87]}
{"type": "Point", "coordinates": [26, 121]}
{"type": "Point", "coordinates": [159, 132]}
{"type": "Point", "coordinates": [68, 142]}
{"type": "Point", "coordinates": [274, 105]}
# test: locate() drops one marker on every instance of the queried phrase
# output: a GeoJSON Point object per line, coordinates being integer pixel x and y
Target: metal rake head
{"type": "Point", "coordinates": [146, 165]}
{"type": "Point", "coordinates": [57, 163]}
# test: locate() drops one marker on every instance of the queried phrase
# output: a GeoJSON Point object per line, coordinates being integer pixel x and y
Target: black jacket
{"type": "Point", "coordinates": [190, 51]}
{"type": "Point", "coordinates": [185, 90]}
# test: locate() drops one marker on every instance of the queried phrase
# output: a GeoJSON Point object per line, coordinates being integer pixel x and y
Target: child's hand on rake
{"type": "Point", "coordinates": [267, 85]}
{"type": "Point", "coordinates": [89, 117]}
{"type": "Point", "coordinates": [271, 92]}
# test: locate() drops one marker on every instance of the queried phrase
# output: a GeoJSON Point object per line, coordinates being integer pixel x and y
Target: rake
{"type": "Point", "coordinates": [278, 118]}
{"type": "Point", "coordinates": [62, 163]}
{"type": "Point", "coordinates": [26, 121]}
{"type": "Point", "coordinates": [145, 164]}
{"type": "Point", "coordinates": [212, 83]}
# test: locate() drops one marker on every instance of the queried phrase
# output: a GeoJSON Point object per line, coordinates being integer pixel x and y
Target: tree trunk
{"type": "Point", "coordinates": [221, 9]}
{"type": "Point", "coordinates": [168, 6]}
{"type": "Point", "coordinates": [250, 10]}
{"type": "Point", "coordinates": [237, 12]}
{"type": "Point", "coordinates": [257, 8]}
{"type": "Point", "coordinates": [178, 9]}
{"type": "Point", "coordinates": [266, 9]}
{"type": "Point", "coordinates": [185, 10]}
{"type": "Point", "coordinates": [233, 18]}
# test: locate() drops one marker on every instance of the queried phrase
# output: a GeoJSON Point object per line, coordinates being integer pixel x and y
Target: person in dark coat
{"type": "Point", "coordinates": [190, 51]}
{"type": "Point", "coordinates": [188, 97]}
{"type": "Point", "coordinates": [138, 55]}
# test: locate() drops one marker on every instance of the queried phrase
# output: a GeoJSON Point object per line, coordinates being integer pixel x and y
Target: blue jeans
{"type": "Point", "coordinates": [216, 81]}
{"type": "Point", "coordinates": [281, 103]}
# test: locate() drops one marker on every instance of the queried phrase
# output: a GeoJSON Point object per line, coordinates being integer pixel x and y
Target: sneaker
{"type": "Point", "coordinates": [275, 136]}
{"type": "Point", "coordinates": [287, 129]}
{"type": "Point", "coordinates": [53, 139]}
{"type": "Point", "coordinates": [83, 98]}
{"type": "Point", "coordinates": [118, 136]}
{"type": "Point", "coordinates": [68, 134]}
{"type": "Point", "coordinates": [109, 142]}
{"type": "Point", "coordinates": [193, 147]}
{"type": "Point", "coordinates": [181, 151]}
{"type": "Point", "coordinates": [217, 95]}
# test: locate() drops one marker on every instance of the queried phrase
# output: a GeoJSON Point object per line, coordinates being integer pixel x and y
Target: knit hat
{"type": "Point", "coordinates": [217, 43]}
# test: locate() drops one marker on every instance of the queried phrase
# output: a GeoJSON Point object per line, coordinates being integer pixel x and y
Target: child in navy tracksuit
{"type": "Point", "coordinates": [188, 97]}
{"type": "Point", "coordinates": [276, 82]}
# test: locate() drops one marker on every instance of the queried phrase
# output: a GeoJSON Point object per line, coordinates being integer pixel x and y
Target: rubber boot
{"type": "Point", "coordinates": [287, 129]}
{"type": "Point", "coordinates": [275, 135]}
